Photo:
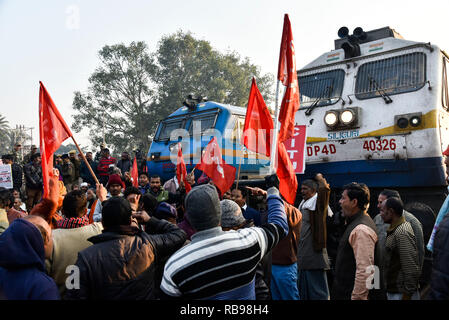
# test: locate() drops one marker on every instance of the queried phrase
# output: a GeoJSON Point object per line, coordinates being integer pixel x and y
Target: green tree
{"type": "Point", "coordinates": [187, 65]}
{"type": "Point", "coordinates": [5, 139]}
{"type": "Point", "coordinates": [133, 90]}
{"type": "Point", "coordinates": [117, 104]}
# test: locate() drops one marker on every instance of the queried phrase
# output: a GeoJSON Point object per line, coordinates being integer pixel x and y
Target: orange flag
{"type": "Point", "coordinates": [181, 171]}
{"type": "Point", "coordinates": [52, 132]}
{"type": "Point", "coordinates": [289, 78]}
{"type": "Point", "coordinates": [258, 123]}
{"type": "Point", "coordinates": [135, 173]}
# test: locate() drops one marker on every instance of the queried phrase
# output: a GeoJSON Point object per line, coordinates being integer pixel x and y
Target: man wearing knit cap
{"type": "Point", "coordinates": [219, 265]}
{"type": "Point", "coordinates": [231, 215]}
{"type": "Point", "coordinates": [115, 186]}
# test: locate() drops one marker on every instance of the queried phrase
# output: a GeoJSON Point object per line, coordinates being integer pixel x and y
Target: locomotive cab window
{"type": "Point", "coordinates": [321, 89]}
{"type": "Point", "coordinates": [237, 131]}
{"type": "Point", "coordinates": [168, 127]}
{"type": "Point", "coordinates": [405, 73]}
{"type": "Point", "coordinates": [206, 121]}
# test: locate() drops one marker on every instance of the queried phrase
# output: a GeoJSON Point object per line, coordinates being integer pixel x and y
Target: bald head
{"type": "Point", "coordinates": [45, 230]}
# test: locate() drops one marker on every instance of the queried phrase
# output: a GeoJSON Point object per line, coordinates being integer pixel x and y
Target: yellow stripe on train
{"type": "Point", "coordinates": [429, 120]}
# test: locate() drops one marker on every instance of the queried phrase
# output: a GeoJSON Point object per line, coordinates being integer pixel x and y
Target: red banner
{"type": "Point", "coordinates": [295, 147]}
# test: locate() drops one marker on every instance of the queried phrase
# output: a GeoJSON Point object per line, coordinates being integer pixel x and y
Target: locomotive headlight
{"type": "Point", "coordinates": [402, 123]}
{"type": "Point", "coordinates": [155, 156]}
{"type": "Point", "coordinates": [415, 121]}
{"type": "Point", "coordinates": [331, 118]}
{"type": "Point", "coordinates": [408, 121]}
{"type": "Point", "coordinates": [347, 117]}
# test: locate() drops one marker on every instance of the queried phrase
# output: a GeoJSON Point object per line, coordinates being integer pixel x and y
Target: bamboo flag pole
{"type": "Point", "coordinates": [85, 161]}
{"type": "Point", "coordinates": [238, 174]}
{"type": "Point", "coordinates": [240, 161]}
{"type": "Point", "coordinates": [275, 134]}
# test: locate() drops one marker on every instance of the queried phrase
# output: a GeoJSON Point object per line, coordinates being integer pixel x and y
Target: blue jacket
{"type": "Point", "coordinates": [22, 269]}
{"type": "Point", "coordinates": [251, 213]}
{"type": "Point", "coordinates": [439, 282]}
{"type": "Point", "coordinates": [144, 189]}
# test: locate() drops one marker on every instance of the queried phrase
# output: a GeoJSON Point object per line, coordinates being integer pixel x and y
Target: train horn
{"type": "Point", "coordinates": [359, 33]}
{"type": "Point", "coordinates": [343, 32]}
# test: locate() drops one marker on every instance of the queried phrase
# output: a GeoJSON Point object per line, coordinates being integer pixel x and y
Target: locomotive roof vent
{"type": "Point", "coordinates": [350, 43]}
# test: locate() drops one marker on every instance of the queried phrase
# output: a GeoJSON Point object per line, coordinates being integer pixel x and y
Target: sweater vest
{"type": "Point", "coordinates": [345, 264]}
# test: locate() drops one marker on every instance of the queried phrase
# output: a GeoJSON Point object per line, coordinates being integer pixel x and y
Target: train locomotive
{"type": "Point", "coordinates": [376, 110]}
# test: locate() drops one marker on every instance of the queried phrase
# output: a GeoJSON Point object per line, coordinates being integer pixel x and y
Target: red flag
{"type": "Point", "coordinates": [135, 173]}
{"type": "Point", "coordinates": [288, 183]}
{"type": "Point", "coordinates": [181, 171]}
{"type": "Point", "coordinates": [289, 78]}
{"type": "Point", "coordinates": [213, 165]}
{"type": "Point", "coordinates": [52, 132]}
{"type": "Point", "coordinates": [258, 123]}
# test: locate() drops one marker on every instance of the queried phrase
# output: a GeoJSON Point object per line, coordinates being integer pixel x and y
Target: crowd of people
{"type": "Point", "coordinates": [112, 240]}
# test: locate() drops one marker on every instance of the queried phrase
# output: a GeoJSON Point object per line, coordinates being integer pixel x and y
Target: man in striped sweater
{"type": "Point", "coordinates": [402, 267]}
{"type": "Point", "coordinates": [217, 264]}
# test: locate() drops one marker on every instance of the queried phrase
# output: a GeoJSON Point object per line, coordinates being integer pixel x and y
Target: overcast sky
{"type": "Point", "coordinates": [57, 41]}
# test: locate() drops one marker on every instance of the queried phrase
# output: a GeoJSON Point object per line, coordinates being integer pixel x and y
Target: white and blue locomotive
{"type": "Point", "coordinates": [376, 109]}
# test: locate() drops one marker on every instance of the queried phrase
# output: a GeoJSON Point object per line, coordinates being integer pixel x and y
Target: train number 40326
{"type": "Point", "coordinates": [380, 145]}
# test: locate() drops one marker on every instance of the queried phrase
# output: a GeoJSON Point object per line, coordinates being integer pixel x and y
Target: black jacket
{"type": "Point", "coordinates": [124, 165]}
{"type": "Point", "coordinates": [33, 176]}
{"type": "Point", "coordinates": [16, 176]}
{"type": "Point", "coordinates": [121, 264]}
{"type": "Point", "coordinates": [85, 172]}
{"type": "Point", "coordinates": [439, 283]}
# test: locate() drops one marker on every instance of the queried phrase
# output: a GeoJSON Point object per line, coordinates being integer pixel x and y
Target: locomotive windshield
{"type": "Point", "coordinates": [207, 121]}
{"type": "Point", "coordinates": [394, 75]}
{"type": "Point", "coordinates": [321, 89]}
{"type": "Point", "coordinates": [167, 127]}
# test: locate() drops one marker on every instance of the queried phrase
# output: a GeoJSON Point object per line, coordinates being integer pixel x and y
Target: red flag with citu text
{"type": "Point", "coordinates": [288, 184]}
{"type": "Point", "coordinates": [258, 123]}
{"type": "Point", "coordinates": [52, 132]}
{"type": "Point", "coordinates": [213, 165]}
{"type": "Point", "coordinates": [261, 121]}
{"type": "Point", "coordinates": [135, 173]}
{"type": "Point", "coordinates": [289, 78]}
{"type": "Point", "coordinates": [181, 170]}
